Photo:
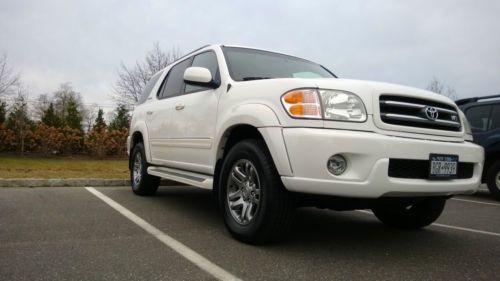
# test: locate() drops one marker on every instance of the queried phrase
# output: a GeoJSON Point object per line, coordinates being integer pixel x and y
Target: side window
{"type": "Point", "coordinates": [495, 117]}
{"type": "Point", "coordinates": [149, 86]}
{"type": "Point", "coordinates": [479, 118]}
{"type": "Point", "coordinates": [174, 84]}
{"type": "Point", "coordinates": [207, 60]}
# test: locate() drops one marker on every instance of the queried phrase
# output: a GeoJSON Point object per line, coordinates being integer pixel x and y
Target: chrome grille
{"type": "Point", "coordinates": [415, 112]}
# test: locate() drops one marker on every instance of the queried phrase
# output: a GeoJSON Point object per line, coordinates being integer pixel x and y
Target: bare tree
{"type": "Point", "coordinates": [8, 79]}
{"type": "Point", "coordinates": [40, 105]}
{"type": "Point", "coordinates": [89, 115]}
{"type": "Point", "coordinates": [63, 97]}
{"type": "Point", "coordinates": [446, 90]}
{"type": "Point", "coordinates": [131, 80]}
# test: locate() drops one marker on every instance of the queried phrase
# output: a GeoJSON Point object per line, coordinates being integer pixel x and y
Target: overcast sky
{"type": "Point", "coordinates": [407, 42]}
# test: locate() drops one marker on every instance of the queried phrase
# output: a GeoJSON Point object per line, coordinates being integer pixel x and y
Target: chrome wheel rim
{"type": "Point", "coordinates": [243, 192]}
{"type": "Point", "coordinates": [137, 169]}
{"type": "Point", "coordinates": [497, 179]}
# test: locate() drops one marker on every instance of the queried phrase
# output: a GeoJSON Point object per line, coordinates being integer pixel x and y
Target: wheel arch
{"type": "Point", "coordinates": [271, 136]}
{"type": "Point", "coordinates": [492, 156]}
{"type": "Point", "coordinates": [140, 134]}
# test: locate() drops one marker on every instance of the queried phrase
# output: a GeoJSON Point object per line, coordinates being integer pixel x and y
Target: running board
{"type": "Point", "coordinates": [199, 180]}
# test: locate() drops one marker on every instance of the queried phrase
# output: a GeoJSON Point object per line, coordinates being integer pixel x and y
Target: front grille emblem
{"type": "Point", "coordinates": [431, 113]}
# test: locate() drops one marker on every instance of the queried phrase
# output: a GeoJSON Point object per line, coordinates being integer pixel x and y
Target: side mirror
{"type": "Point", "coordinates": [199, 76]}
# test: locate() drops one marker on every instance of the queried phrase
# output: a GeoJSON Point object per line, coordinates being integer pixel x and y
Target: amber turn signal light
{"type": "Point", "coordinates": [302, 103]}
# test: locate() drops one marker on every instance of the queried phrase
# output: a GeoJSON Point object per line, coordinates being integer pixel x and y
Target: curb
{"type": "Point", "coordinates": [34, 182]}
{"type": "Point", "coordinates": [75, 182]}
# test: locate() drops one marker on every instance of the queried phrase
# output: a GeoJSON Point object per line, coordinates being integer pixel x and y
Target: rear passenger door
{"type": "Point", "coordinates": [192, 129]}
{"type": "Point", "coordinates": [159, 118]}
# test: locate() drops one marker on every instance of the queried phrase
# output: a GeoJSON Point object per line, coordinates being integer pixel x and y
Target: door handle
{"type": "Point", "coordinates": [149, 112]}
{"type": "Point", "coordinates": [179, 106]}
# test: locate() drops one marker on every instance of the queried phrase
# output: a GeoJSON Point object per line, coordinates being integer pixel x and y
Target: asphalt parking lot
{"type": "Point", "coordinates": [72, 234]}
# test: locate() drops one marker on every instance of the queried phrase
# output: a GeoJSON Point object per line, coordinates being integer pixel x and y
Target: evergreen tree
{"type": "Point", "coordinates": [3, 111]}
{"type": "Point", "coordinates": [19, 122]}
{"type": "Point", "coordinates": [50, 117]}
{"type": "Point", "coordinates": [73, 118]}
{"type": "Point", "coordinates": [121, 119]}
{"type": "Point", "coordinates": [99, 123]}
{"type": "Point", "coordinates": [18, 116]}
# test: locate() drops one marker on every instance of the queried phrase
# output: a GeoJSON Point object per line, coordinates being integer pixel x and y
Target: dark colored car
{"type": "Point", "coordinates": [483, 114]}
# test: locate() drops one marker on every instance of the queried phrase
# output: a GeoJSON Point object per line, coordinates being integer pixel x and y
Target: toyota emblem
{"type": "Point", "coordinates": [431, 113]}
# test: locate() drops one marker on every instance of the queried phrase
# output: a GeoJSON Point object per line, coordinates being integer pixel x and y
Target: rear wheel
{"type": "Point", "coordinates": [411, 215]}
{"type": "Point", "coordinates": [493, 180]}
{"type": "Point", "coordinates": [142, 183]}
{"type": "Point", "coordinates": [255, 204]}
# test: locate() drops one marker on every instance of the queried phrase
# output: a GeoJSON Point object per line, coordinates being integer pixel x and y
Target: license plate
{"type": "Point", "coordinates": [442, 166]}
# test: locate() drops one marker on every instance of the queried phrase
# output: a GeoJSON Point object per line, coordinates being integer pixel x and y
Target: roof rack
{"type": "Point", "coordinates": [475, 99]}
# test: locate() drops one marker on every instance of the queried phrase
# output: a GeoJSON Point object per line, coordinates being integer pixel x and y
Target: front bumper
{"type": "Point", "coordinates": [368, 157]}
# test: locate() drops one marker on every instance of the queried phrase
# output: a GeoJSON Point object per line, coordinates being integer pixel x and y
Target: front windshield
{"type": "Point", "coordinates": [249, 64]}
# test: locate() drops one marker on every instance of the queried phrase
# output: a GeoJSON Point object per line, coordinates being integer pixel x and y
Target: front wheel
{"type": "Point", "coordinates": [493, 180]}
{"type": "Point", "coordinates": [411, 215]}
{"type": "Point", "coordinates": [142, 183]}
{"type": "Point", "coordinates": [255, 204]}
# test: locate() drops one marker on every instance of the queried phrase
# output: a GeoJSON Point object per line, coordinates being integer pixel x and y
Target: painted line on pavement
{"type": "Point", "coordinates": [467, 229]}
{"type": "Point", "coordinates": [175, 245]}
{"type": "Point", "coordinates": [477, 202]}
{"type": "Point", "coordinates": [449, 226]}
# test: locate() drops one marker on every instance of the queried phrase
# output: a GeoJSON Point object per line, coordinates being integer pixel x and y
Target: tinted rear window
{"type": "Point", "coordinates": [149, 86]}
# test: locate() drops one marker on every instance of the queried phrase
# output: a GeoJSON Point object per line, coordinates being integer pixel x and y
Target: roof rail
{"type": "Point", "coordinates": [178, 59]}
{"type": "Point", "coordinates": [475, 99]}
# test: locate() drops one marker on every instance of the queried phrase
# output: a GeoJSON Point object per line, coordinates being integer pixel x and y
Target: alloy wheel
{"type": "Point", "coordinates": [243, 192]}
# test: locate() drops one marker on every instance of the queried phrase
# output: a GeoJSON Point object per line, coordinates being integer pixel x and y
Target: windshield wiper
{"type": "Point", "coordinates": [254, 78]}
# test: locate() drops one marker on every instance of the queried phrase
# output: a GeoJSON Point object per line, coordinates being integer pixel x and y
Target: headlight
{"type": "Point", "coordinates": [326, 104]}
{"type": "Point", "coordinates": [342, 106]}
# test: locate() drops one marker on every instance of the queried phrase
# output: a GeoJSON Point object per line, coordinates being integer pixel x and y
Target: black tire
{"type": "Point", "coordinates": [418, 214]}
{"type": "Point", "coordinates": [493, 180]}
{"type": "Point", "coordinates": [274, 210]}
{"type": "Point", "coordinates": [145, 184]}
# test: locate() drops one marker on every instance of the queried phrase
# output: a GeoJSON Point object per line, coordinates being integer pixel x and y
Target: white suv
{"type": "Point", "coordinates": [268, 133]}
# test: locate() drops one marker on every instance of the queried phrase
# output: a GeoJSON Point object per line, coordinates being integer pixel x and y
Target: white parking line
{"type": "Point", "coordinates": [467, 229]}
{"type": "Point", "coordinates": [477, 202]}
{"type": "Point", "coordinates": [175, 245]}
{"type": "Point", "coordinates": [449, 226]}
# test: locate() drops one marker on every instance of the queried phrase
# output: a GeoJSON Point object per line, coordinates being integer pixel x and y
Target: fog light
{"type": "Point", "coordinates": [336, 164]}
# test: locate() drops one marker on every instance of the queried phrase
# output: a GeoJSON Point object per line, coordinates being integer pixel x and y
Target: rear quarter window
{"type": "Point", "coordinates": [148, 87]}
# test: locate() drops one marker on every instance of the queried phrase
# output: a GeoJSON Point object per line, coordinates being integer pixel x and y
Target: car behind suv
{"type": "Point", "coordinates": [269, 132]}
{"type": "Point", "coordinates": [483, 114]}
